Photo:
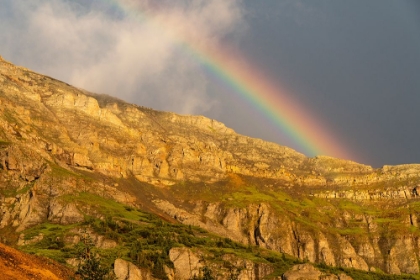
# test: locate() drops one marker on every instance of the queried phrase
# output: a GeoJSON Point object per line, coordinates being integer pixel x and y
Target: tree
{"type": "Point", "coordinates": [205, 274]}
{"type": "Point", "coordinates": [89, 267]}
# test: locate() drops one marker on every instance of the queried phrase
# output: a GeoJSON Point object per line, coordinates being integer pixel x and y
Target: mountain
{"type": "Point", "coordinates": [156, 194]}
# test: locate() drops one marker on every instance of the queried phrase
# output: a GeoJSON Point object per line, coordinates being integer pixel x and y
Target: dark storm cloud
{"type": "Point", "coordinates": [356, 64]}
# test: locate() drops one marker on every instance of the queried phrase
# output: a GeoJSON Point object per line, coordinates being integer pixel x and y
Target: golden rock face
{"type": "Point", "coordinates": [57, 140]}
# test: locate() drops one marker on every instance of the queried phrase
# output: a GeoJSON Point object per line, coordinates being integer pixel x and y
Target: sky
{"type": "Point", "coordinates": [353, 67]}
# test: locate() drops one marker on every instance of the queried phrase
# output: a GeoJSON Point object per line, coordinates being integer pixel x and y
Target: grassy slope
{"type": "Point", "coordinates": [140, 242]}
{"type": "Point", "coordinates": [301, 207]}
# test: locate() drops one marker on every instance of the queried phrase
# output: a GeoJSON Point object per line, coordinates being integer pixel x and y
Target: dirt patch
{"type": "Point", "coordinates": [15, 265]}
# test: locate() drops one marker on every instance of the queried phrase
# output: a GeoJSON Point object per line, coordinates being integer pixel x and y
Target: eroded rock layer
{"type": "Point", "coordinates": [57, 141]}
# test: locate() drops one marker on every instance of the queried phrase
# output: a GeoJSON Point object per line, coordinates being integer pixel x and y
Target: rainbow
{"type": "Point", "coordinates": [273, 101]}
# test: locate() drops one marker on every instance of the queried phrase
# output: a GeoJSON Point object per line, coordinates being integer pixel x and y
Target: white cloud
{"type": "Point", "coordinates": [137, 57]}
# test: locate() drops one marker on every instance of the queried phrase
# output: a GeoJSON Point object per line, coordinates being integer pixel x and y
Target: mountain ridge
{"type": "Point", "coordinates": [62, 148]}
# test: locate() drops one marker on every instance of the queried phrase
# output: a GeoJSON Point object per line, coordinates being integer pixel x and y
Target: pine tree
{"type": "Point", "coordinates": [89, 267]}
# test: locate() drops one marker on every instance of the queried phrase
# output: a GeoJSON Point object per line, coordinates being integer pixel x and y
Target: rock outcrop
{"type": "Point", "coordinates": [261, 225]}
{"type": "Point", "coordinates": [309, 272]}
{"type": "Point", "coordinates": [125, 270]}
{"type": "Point", "coordinates": [58, 142]}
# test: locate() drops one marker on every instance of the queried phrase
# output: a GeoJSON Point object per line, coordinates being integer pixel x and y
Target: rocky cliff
{"type": "Point", "coordinates": [59, 143]}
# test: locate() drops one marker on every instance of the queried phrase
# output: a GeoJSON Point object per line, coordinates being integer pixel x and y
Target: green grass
{"type": "Point", "coordinates": [145, 239]}
{"type": "Point", "coordinates": [4, 144]}
{"type": "Point", "coordinates": [9, 117]}
{"type": "Point", "coordinates": [59, 173]}
{"type": "Point", "coordinates": [10, 192]}
{"type": "Point", "coordinates": [25, 189]}
{"type": "Point", "coordinates": [310, 212]}
{"type": "Point", "coordinates": [105, 206]}
{"type": "Point", "coordinates": [385, 220]}
{"type": "Point", "coordinates": [350, 206]}
{"type": "Point", "coordinates": [364, 275]}
{"type": "Point", "coordinates": [414, 205]}
{"type": "Point", "coordinates": [54, 254]}
{"type": "Point", "coordinates": [48, 229]}
{"type": "Point", "coordinates": [351, 231]}
{"type": "Point", "coordinates": [247, 195]}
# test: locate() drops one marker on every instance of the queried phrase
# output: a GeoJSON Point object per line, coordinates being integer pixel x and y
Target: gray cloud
{"type": "Point", "coordinates": [140, 57]}
{"type": "Point", "coordinates": [355, 66]}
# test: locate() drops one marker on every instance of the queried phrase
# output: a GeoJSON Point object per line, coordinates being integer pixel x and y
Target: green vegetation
{"type": "Point", "coordinates": [145, 240]}
{"type": "Point", "coordinates": [309, 211]}
{"type": "Point", "coordinates": [136, 232]}
{"type": "Point", "coordinates": [89, 267]}
{"type": "Point", "coordinates": [212, 129]}
{"type": "Point", "coordinates": [9, 116]}
{"type": "Point", "coordinates": [4, 143]}
{"type": "Point", "coordinates": [104, 206]}
{"type": "Point", "coordinates": [10, 192]}
{"type": "Point", "coordinates": [138, 239]}
{"type": "Point", "coordinates": [364, 275]}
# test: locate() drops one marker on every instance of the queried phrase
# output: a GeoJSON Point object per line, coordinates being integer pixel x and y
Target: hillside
{"type": "Point", "coordinates": [15, 265]}
{"type": "Point", "coordinates": [172, 196]}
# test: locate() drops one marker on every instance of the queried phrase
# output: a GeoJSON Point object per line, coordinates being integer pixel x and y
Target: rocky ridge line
{"type": "Point", "coordinates": [52, 132]}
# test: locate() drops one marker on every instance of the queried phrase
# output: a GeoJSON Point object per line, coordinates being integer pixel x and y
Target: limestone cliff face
{"type": "Point", "coordinates": [57, 140]}
{"type": "Point", "coordinates": [109, 136]}
{"type": "Point", "coordinates": [103, 134]}
{"type": "Point", "coordinates": [308, 272]}
{"type": "Point", "coordinates": [263, 226]}
{"type": "Point", "coordinates": [125, 270]}
{"type": "Point", "coordinates": [188, 264]}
